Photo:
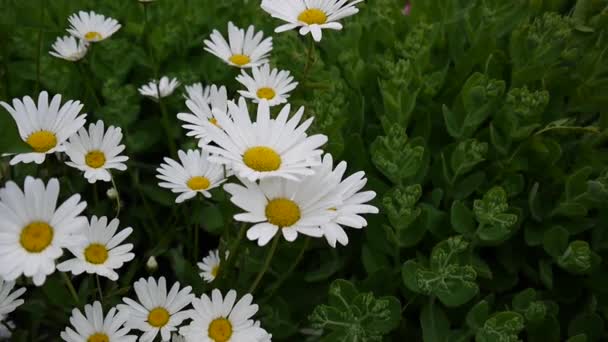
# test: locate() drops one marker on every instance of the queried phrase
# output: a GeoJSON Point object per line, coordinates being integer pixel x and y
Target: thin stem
{"type": "Point", "coordinates": [118, 204]}
{"type": "Point", "coordinates": [166, 123]}
{"type": "Point", "coordinates": [88, 84]}
{"type": "Point", "coordinates": [273, 248]}
{"type": "Point", "coordinates": [292, 268]}
{"type": "Point", "coordinates": [99, 288]}
{"type": "Point", "coordinates": [70, 286]}
{"type": "Point", "coordinates": [95, 194]}
{"type": "Point", "coordinates": [309, 59]}
{"type": "Point", "coordinates": [196, 228]}
{"type": "Point", "coordinates": [590, 129]}
{"type": "Point", "coordinates": [40, 34]}
{"type": "Point", "coordinates": [232, 252]}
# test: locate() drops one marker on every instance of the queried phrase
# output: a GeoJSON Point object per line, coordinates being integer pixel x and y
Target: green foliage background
{"type": "Point", "coordinates": [481, 124]}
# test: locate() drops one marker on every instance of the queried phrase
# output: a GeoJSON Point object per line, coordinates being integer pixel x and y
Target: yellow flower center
{"type": "Point", "coordinates": [220, 330]}
{"type": "Point", "coordinates": [98, 337]}
{"type": "Point", "coordinates": [42, 141]}
{"type": "Point", "coordinates": [158, 317]}
{"type": "Point", "coordinates": [261, 159]}
{"type": "Point", "coordinates": [198, 183]}
{"type": "Point", "coordinates": [313, 16]}
{"type": "Point", "coordinates": [215, 270]}
{"type": "Point", "coordinates": [95, 159]}
{"type": "Point", "coordinates": [96, 253]}
{"type": "Point", "coordinates": [266, 93]}
{"type": "Point", "coordinates": [36, 237]}
{"type": "Point", "coordinates": [240, 60]}
{"type": "Point", "coordinates": [93, 35]}
{"type": "Point", "coordinates": [282, 212]}
{"type": "Point", "coordinates": [214, 121]}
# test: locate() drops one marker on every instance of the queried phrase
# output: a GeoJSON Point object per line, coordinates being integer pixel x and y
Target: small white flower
{"type": "Point", "coordinates": [92, 27]}
{"type": "Point", "coordinates": [267, 147]}
{"type": "Point", "coordinates": [159, 311]}
{"type": "Point", "coordinates": [156, 90]}
{"type": "Point", "coordinates": [44, 127]}
{"type": "Point", "coordinates": [101, 253]}
{"type": "Point", "coordinates": [96, 152]}
{"type": "Point", "coordinates": [244, 49]}
{"type": "Point", "coordinates": [112, 193]}
{"type": "Point", "coordinates": [33, 230]}
{"type": "Point", "coordinates": [69, 48]}
{"type": "Point", "coordinates": [211, 265]}
{"type": "Point", "coordinates": [192, 175]}
{"type": "Point", "coordinates": [151, 264]}
{"type": "Point", "coordinates": [94, 327]}
{"type": "Point", "coordinates": [286, 206]}
{"type": "Point", "coordinates": [9, 301]}
{"type": "Point", "coordinates": [266, 85]}
{"type": "Point", "coordinates": [218, 319]}
{"type": "Point", "coordinates": [310, 15]}
{"type": "Point", "coordinates": [201, 101]}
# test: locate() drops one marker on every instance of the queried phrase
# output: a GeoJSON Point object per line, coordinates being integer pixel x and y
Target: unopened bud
{"type": "Point", "coordinates": [112, 193]}
{"type": "Point", "coordinates": [151, 264]}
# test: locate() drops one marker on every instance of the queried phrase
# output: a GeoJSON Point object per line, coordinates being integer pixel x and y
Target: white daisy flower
{"type": "Point", "coordinates": [92, 27]}
{"type": "Point", "coordinates": [94, 327]}
{"type": "Point", "coordinates": [9, 301]}
{"type": "Point", "coordinates": [284, 205]}
{"type": "Point", "coordinates": [243, 50]}
{"type": "Point", "coordinates": [310, 15]}
{"type": "Point", "coordinates": [192, 175]}
{"type": "Point", "coordinates": [201, 101]}
{"type": "Point", "coordinates": [352, 202]}
{"type": "Point", "coordinates": [101, 252]}
{"type": "Point", "coordinates": [264, 148]}
{"type": "Point", "coordinates": [6, 329]}
{"type": "Point", "coordinates": [159, 311]}
{"type": "Point", "coordinates": [44, 127]}
{"type": "Point", "coordinates": [266, 85]}
{"type": "Point", "coordinates": [69, 48]}
{"type": "Point", "coordinates": [210, 266]}
{"type": "Point", "coordinates": [156, 90]}
{"type": "Point", "coordinates": [33, 230]}
{"type": "Point", "coordinates": [96, 152]}
{"type": "Point", "coordinates": [265, 337]}
{"type": "Point", "coordinates": [218, 319]}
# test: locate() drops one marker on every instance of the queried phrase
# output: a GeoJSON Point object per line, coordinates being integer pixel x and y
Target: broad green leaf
{"type": "Point", "coordinates": [491, 212]}
{"type": "Point", "coordinates": [502, 327]}
{"type": "Point", "coordinates": [395, 157]}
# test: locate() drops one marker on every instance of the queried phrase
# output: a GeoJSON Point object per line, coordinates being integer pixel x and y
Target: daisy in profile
{"type": "Point", "coordinates": [9, 301]}
{"type": "Point", "coordinates": [96, 152]}
{"type": "Point", "coordinates": [267, 147]}
{"type": "Point", "coordinates": [243, 49]}
{"type": "Point", "coordinates": [92, 27]}
{"type": "Point", "coordinates": [94, 327]}
{"type": "Point", "coordinates": [310, 15]}
{"type": "Point", "coordinates": [46, 126]}
{"type": "Point", "coordinates": [33, 230]}
{"type": "Point", "coordinates": [157, 311]}
{"type": "Point", "coordinates": [284, 206]}
{"type": "Point", "coordinates": [353, 202]}
{"type": "Point", "coordinates": [266, 85]}
{"type": "Point", "coordinates": [210, 266]}
{"type": "Point", "coordinates": [69, 48]}
{"type": "Point", "coordinates": [101, 252]}
{"type": "Point", "coordinates": [201, 102]}
{"type": "Point", "coordinates": [155, 89]}
{"type": "Point", "coordinates": [218, 319]}
{"type": "Point", "coordinates": [192, 175]}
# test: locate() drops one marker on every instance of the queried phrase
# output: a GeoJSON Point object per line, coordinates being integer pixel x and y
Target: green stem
{"type": "Point", "coordinates": [273, 248]}
{"type": "Point", "coordinates": [99, 288]}
{"type": "Point", "coordinates": [88, 84]}
{"type": "Point", "coordinates": [40, 34]}
{"type": "Point", "coordinates": [309, 59]}
{"type": "Point", "coordinates": [292, 268]}
{"type": "Point", "coordinates": [571, 128]}
{"type": "Point", "coordinates": [166, 124]}
{"type": "Point", "coordinates": [232, 252]}
{"type": "Point", "coordinates": [95, 194]}
{"type": "Point", "coordinates": [118, 204]}
{"type": "Point", "coordinates": [70, 286]}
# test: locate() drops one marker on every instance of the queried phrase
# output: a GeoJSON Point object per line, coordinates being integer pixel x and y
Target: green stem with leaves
{"type": "Point", "coordinates": [309, 59]}
{"type": "Point", "coordinates": [273, 248]}
{"type": "Point", "coordinates": [232, 253]}
{"type": "Point", "coordinates": [271, 291]}
{"type": "Point", "coordinates": [70, 286]}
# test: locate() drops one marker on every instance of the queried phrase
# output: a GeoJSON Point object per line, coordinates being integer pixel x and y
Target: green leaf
{"type": "Point", "coordinates": [555, 241]}
{"type": "Point", "coordinates": [462, 219]}
{"type": "Point", "coordinates": [467, 154]}
{"type": "Point", "coordinates": [491, 213]}
{"type": "Point", "coordinates": [10, 139]}
{"type": "Point", "coordinates": [477, 316]}
{"type": "Point", "coordinates": [578, 258]}
{"type": "Point", "coordinates": [435, 323]}
{"type": "Point", "coordinates": [503, 326]}
{"type": "Point", "coordinates": [395, 157]}
{"type": "Point", "coordinates": [589, 324]}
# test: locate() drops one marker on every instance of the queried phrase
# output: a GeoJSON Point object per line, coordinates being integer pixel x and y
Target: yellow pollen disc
{"type": "Point", "coordinates": [158, 317]}
{"type": "Point", "coordinates": [240, 60]}
{"type": "Point", "coordinates": [313, 16]}
{"type": "Point", "coordinates": [98, 337]}
{"type": "Point", "coordinates": [42, 141]}
{"type": "Point", "coordinates": [214, 121]}
{"type": "Point", "coordinates": [92, 36]}
{"type": "Point", "coordinates": [95, 159]}
{"type": "Point", "coordinates": [96, 253]}
{"type": "Point", "coordinates": [262, 159]}
{"type": "Point", "coordinates": [215, 270]}
{"type": "Point", "coordinates": [220, 330]}
{"type": "Point", "coordinates": [198, 183]}
{"type": "Point", "coordinates": [333, 209]}
{"type": "Point", "coordinates": [266, 93]}
{"type": "Point", "coordinates": [282, 212]}
{"type": "Point", "coordinates": [36, 237]}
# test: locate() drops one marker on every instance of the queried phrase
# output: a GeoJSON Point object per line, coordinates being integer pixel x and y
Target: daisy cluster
{"type": "Point", "coordinates": [266, 161]}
